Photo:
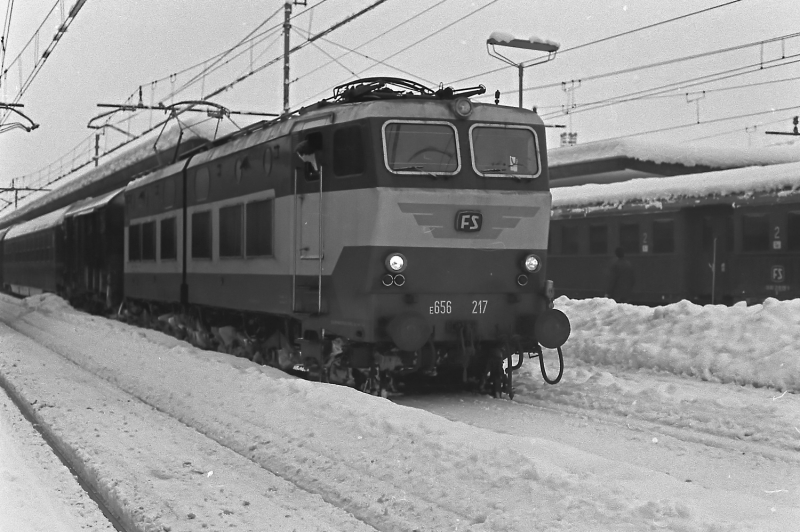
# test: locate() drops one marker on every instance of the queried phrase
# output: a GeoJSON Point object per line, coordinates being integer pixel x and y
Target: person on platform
{"type": "Point", "coordinates": [621, 278]}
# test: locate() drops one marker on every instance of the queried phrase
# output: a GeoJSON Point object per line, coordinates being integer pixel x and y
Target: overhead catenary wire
{"type": "Point", "coordinates": [605, 39]}
{"type": "Point", "coordinates": [681, 85]}
{"type": "Point", "coordinates": [406, 48]}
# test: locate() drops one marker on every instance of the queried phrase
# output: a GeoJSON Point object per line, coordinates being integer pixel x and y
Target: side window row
{"type": "Point", "coordinates": [628, 236]}
{"type": "Point", "coordinates": [756, 235]}
{"type": "Point", "coordinates": [245, 230]}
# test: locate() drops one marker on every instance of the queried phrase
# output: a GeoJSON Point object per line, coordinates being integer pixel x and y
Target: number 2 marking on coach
{"type": "Point", "coordinates": [479, 306]}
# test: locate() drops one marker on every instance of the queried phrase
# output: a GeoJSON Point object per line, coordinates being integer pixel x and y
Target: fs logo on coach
{"type": "Point", "coordinates": [469, 221]}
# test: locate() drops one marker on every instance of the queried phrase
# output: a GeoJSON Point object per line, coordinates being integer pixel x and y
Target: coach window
{"type": "Point", "coordinates": [629, 237]}
{"type": "Point", "coordinates": [663, 236]}
{"type": "Point", "coordinates": [169, 248]}
{"type": "Point", "coordinates": [348, 153]}
{"type": "Point", "coordinates": [134, 243]}
{"type": "Point", "coordinates": [230, 231]}
{"type": "Point", "coordinates": [569, 240]}
{"type": "Point", "coordinates": [149, 241]}
{"type": "Point", "coordinates": [201, 184]}
{"type": "Point", "coordinates": [598, 239]}
{"type": "Point", "coordinates": [755, 232]}
{"type": "Point", "coordinates": [201, 235]}
{"type": "Point", "coordinates": [259, 228]}
{"type": "Point", "coordinates": [421, 148]}
{"type": "Point", "coordinates": [793, 231]}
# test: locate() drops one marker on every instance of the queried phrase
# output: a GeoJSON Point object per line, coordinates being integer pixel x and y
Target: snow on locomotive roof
{"type": "Point", "coordinates": [778, 178]}
{"type": "Point", "coordinates": [47, 221]}
{"type": "Point", "coordinates": [660, 153]}
{"type": "Point", "coordinates": [191, 127]}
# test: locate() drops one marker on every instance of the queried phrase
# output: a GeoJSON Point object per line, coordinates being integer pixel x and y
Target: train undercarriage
{"type": "Point", "coordinates": [485, 366]}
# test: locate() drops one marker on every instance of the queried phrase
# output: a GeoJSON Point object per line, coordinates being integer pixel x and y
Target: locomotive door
{"type": "Point", "coordinates": [710, 240]}
{"type": "Point", "coordinates": [308, 230]}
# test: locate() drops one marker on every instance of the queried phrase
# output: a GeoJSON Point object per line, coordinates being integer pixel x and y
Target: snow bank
{"type": "Point", "coordinates": [756, 345]}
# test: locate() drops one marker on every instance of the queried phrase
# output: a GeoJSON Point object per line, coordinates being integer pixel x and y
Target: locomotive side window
{"type": "Point", "coordinates": [421, 148]}
{"type": "Point", "coordinates": [598, 239]}
{"type": "Point", "coordinates": [259, 228]}
{"type": "Point", "coordinates": [230, 231]}
{"type": "Point", "coordinates": [663, 236]}
{"type": "Point", "coordinates": [793, 231]}
{"type": "Point", "coordinates": [134, 243]}
{"type": "Point", "coordinates": [348, 151]}
{"type": "Point", "coordinates": [504, 151]}
{"type": "Point", "coordinates": [169, 248]}
{"type": "Point", "coordinates": [149, 241]}
{"type": "Point", "coordinates": [570, 240]}
{"type": "Point", "coordinates": [755, 232]}
{"type": "Point", "coordinates": [201, 235]}
{"type": "Point", "coordinates": [629, 237]}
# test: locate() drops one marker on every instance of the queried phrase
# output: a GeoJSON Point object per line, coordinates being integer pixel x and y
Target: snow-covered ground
{"type": "Point", "coordinates": [677, 418]}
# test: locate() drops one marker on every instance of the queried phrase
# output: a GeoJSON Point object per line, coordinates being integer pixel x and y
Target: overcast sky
{"type": "Point", "coordinates": [115, 46]}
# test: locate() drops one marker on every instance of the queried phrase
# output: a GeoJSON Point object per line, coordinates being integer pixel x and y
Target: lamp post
{"type": "Point", "coordinates": [533, 43]}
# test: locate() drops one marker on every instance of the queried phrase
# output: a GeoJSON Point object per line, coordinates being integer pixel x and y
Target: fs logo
{"type": "Point", "coordinates": [469, 221]}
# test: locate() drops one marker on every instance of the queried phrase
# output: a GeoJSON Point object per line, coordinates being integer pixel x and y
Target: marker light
{"type": "Point", "coordinates": [532, 263]}
{"type": "Point", "coordinates": [395, 262]}
{"type": "Point", "coordinates": [462, 107]}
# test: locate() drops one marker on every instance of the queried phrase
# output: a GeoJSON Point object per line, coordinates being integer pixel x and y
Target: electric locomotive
{"type": "Point", "coordinates": [390, 231]}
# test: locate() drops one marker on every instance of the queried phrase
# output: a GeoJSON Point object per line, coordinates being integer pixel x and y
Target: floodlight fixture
{"type": "Point", "coordinates": [498, 38]}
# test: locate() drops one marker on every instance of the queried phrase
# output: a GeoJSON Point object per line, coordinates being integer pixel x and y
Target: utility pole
{"type": "Point", "coordinates": [287, 26]}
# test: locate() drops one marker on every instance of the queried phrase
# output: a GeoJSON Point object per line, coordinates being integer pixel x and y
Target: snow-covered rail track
{"type": "Point", "coordinates": [39, 490]}
{"type": "Point", "coordinates": [153, 472]}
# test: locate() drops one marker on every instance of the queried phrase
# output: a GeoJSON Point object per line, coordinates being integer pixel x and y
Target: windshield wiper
{"type": "Point", "coordinates": [418, 169]}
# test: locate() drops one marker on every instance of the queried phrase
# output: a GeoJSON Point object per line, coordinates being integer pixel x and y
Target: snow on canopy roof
{"type": "Point", "coordinates": [503, 37]}
{"type": "Point", "coordinates": [47, 221]}
{"type": "Point", "coordinates": [773, 178]}
{"type": "Point", "coordinates": [192, 127]}
{"type": "Point", "coordinates": [685, 155]}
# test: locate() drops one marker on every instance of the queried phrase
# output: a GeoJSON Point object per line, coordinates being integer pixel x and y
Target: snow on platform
{"type": "Point", "coordinates": [181, 438]}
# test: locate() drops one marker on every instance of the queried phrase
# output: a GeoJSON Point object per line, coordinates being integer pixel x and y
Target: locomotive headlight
{"type": "Point", "coordinates": [462, 107]}
{"type": "Point", "coordinates": [532, 263]}
{"type": "Point", "coordinates": [395, 262]}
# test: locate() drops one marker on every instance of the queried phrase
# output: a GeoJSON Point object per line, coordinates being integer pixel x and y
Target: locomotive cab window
{"type": "Point", "coordinates": [504, 151]}
{"type": "Point", "coordinates": [421, 148]}
{"type": "Point", "coordinates": [309, 150]}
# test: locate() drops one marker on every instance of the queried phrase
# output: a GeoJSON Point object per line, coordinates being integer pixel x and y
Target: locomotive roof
{"type": "Point", "coordinates": [412, 109]}
{"type": "Point", "coordinates": [737, 186]}
{"type": "Point", "coordinates": [610, 161]}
